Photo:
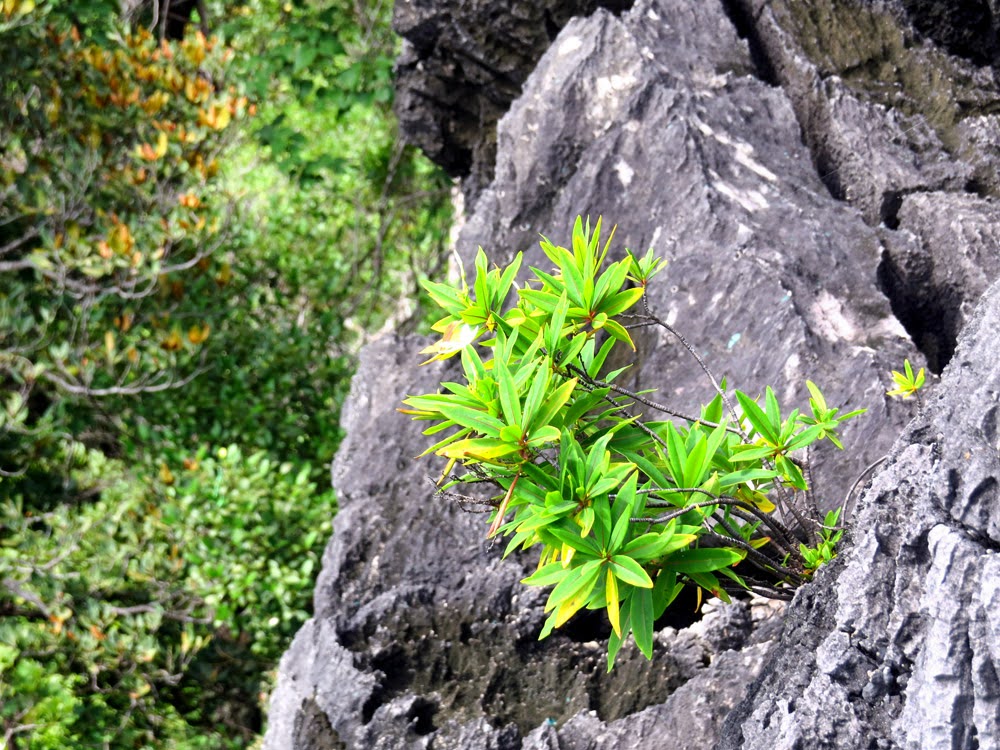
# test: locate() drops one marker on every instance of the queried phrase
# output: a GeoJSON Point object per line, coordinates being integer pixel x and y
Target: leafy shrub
{"type": "Point", "coordinates": [111, 218]}
{"type": "Point", "coordinates": [627, 510]}
{"type": "Point", "coordinates": [149, 611]}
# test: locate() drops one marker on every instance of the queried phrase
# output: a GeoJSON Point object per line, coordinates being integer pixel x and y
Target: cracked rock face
{"type": "Point", "coordinates": [819, 174]}
{"type": "Point", "coordinates": [423, 637]}
{"type": "Point", "coordinates": [898, 643]}
{"type": "Point", "coordinates": [463, 63]}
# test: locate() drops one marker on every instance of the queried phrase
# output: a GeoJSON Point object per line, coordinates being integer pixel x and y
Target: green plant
{"type": "Point", "coordinates": [824, 549]}
{"type": "Point", "coordinates": [193, 243]}
{"type": "Point", "coordinates": [627, 510]}
{"type": "Point", "coordinates": [112, 215]}
{"type": "Point", "coordinates": [149, 613]}
{"type": "Point", "coordinates": [907, 384]}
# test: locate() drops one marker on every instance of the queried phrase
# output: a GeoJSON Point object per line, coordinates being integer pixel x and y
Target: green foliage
{"type": "Point", "coordinates": [627, 511]}
{"type": "Point", "coordinates": [112, 215]}
{"type": "Point", "coordinates": [907, 384]}
{"type": "Point", "coordinates": [190, 255]}
{"type": "Point", "coordinates": [136, 610]}
{"type": "Point", "coordinates": [829, 536]}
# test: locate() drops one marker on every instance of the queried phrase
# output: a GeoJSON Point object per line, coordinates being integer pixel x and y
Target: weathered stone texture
{"type": "Point", "coordinates": [463, 63]}
{"type": "Point", "coordinates": [897, 644]}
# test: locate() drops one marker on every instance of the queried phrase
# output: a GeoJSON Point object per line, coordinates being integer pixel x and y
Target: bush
{"type": "Point", "coordinates": [190, 256]}
{"type": "Point", "coordinates": [627, 510]}
{"type": "Point", "coordinates": [152, 610]}
{"type": "Point", "coordinates": [111, 218]}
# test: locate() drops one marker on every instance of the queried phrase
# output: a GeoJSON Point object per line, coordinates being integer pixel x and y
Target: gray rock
{"type": "Point", "coordinates": [881, 111]}
{"type": "Point", "coordinates": [423, 636]}
{"type": "Point", "coordinates": [897, 644]}
{"type": "Point", "coordinates": [394, 574]}
{"type": "Point", "coordinates": [938, 261]}
{"type": "Point", "coordinates": [462, 64]}
{"type": "Point", "coordinates": [815, 172]}
{"type": "Point", "coordinates": [903, 130]}
{"type": "Point", "coordinates": [770, 277]}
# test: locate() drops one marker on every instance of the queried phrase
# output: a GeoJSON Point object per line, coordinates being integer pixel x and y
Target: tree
{"type": "Point", "coordinates": [182, 298]}
{"type": "Point", "coordinates": [112, 216]}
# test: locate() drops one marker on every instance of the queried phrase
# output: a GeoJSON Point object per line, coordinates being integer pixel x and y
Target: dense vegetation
{"type": "Point", "coordinates": [198, 224]}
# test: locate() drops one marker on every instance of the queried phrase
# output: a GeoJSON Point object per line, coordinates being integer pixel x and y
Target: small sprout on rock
{"type": "Point", "coordinates": [907, 384]}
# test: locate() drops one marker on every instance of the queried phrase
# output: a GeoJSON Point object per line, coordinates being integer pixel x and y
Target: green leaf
{"type": "Point", "coordinates": [646, 548]}
{"type": "Point", "coordinates": [804, 438]}
{"type": "Point", "coordinates": [676, 455]}
{"type": "Point", "coordinates": [598, 458]}
{"type": "Point", "coordinates": [480, 421]}
{"type": "Point", "coordinates": [595, 365]}
{"type": "Point", "coordinates": [696, 464]}
{"type": "Point", "coordinates": [572, 277]}
{"type": "Point", "coordinates": [619, 532]}
{"type": "Point", "coordinates": [555, 402]}
{"type": "Point", "coordinates": [650, 469]}
{"type": "Point", "coordinates": [554, 329]}
{"type": "Point", "coordinates": [572, 582]}
{"type": "Point", "coordinates": [543, 300]}
{"type": "Point", "coordinates": [773, 411]}
{"type": "Point", "coordinates": [702, 560]}
{"type": "Point", "coordinates": [583, 403]}
{"type": "Point", "coordinates": [446, 441]}
{"type": "Point", "coordinates": [758, 419]}
{"type": "Point", "coordinates": [817, 402]}
{"type": "Point", "coordinates": [641, 620]}
{"type": "Point", "coordinates": [710, 583]}
{"type": "Point", "coordinates": [793, 474]}
{"type": "Point", "coordinates": [547, 575]}
{"type": "Point", "coordinates": [549, 249]}
{"type": "Point", "coordinates": [544, 434]}
{"type": "Point", "coordinates": [480, 449]}
{"type": "Point", "coordinates": [618, 331]}
{"type": "Point", "coordinates": [609, 284]}
{"type": "Point", "coordinates": [585, 546]}
{"type": "Point", "coordinates": [615, 641]}
{"type": "Point", "coordinates": [472, 365]}
{"type": "Point", "coordinates": [506, 280]}
{"type": "Point", "coordinates": [735, 478]}
{"type": "Point", "coordinates": [511, 433]}
{"type": "Point", "coordinates": [575, 596]}
{"type": "Point", "coordinates": [665, 591]}
{"type": "Point", "coordinates": [743, 453]}
{"type": "Point", "coordinates": [519, 539]}
{"type": "Point", "coordinates": [568, 356]}
{"type": "Point", "coordinates": [622, 509]}
{"type": "Point", "coordinates": [621, 302]}
{"type": "Point", "coordinates": [510, 401]}
{"type": "Point", "coordinates": [611, 601]}
{"type": "Point", "coordinates": [851, 414]}
{"type": "Point", "coordinates": [713, 410]}
{"type": "Point", "coordinates": [446, 296]}
{"type": "Point", "coordinates": [629, 571]}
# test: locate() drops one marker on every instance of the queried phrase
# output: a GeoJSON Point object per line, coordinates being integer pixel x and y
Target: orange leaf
{"type": "Point", "coordinates": [198, 334]}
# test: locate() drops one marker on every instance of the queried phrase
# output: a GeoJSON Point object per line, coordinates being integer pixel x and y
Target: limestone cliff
{"type": "Point", "coordinates": [820, 174]}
